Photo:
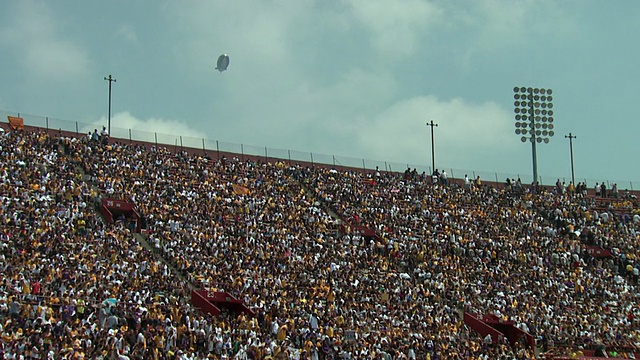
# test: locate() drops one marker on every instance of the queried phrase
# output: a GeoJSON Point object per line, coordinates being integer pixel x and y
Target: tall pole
{"type": "Point", "coordinates": [433, 158]}
{"type": "Point", "coordinates": [110, 80]}
{"type": "Point", "coordinates": [534, 153]}
{"type": "Point", "coordinates": [571, 137]}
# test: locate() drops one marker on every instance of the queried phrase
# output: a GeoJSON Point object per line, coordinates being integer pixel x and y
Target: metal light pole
{"type": "Point", "coordinates": [433, 158]}
{"type": "Point", "coordinates": [110, 80]}
{"type": "Point", "coordinates": [571, 137]}
{"type": "Point", "coordinates": [534, 117]}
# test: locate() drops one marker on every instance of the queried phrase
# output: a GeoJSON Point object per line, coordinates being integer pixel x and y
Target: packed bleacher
{"type": "Point", "coordinates": [282, 238]}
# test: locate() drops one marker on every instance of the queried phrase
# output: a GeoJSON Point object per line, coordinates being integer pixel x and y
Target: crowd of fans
{"type": "Point", "coordinates": [519, 255]}
{"type": "Point", "coordinates": [283, 238]}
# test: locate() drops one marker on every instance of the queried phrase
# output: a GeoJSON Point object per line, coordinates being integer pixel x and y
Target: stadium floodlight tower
{"type": "Point", "coordinates": [534, 118]}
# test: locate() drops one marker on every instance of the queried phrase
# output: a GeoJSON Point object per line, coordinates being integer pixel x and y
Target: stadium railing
{"type": "Point", "coordinates": [217, 148]}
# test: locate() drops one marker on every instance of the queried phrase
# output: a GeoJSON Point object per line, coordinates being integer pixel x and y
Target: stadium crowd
{"type": "Point", "coordinates": [282, 238]}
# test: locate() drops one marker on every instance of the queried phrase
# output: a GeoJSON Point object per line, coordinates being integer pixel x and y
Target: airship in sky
{"type": "Point", "coordinates": [223, 62]}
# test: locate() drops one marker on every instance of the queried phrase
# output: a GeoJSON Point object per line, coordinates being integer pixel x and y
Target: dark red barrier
{"type": "Point", "coordinates": [110, 207]}
{"type": "Point", "coordinates": [482, 328]}
{"type": "Point", "coordinates": [213, 301]}
{"type": "Point", "coordinates": [509, 329]}
{"type": "Point", "coordinates": [118, 204]}
{"type": "Point", "coordinates": [359, 229]}
{"type": "Point", "coordinates": [199, 299]}
{"type": "Point", "coordinates": [598, 252]}
{"type": "Point", "coordinates": [227, 301]}
{"type": "Point", "coordinates": [363, 230]}
{"type": "Point", "coordinates": [106, 214]}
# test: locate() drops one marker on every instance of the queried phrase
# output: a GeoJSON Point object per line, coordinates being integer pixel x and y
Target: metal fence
{"type": "Point", "coordinates": [178, 141]}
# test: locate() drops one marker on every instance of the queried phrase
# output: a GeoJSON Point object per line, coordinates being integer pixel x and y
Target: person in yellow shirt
{"type": "Point", "coordinates": [282, 332]}
{"type": "Point", "coordinates": [80, 308]}
{"type": "Point", "coordinates": [308, 344]}
{"type": "Point", "coordinates": [331, 296]}
{"type": "Point", "coordinates": [329, 331]}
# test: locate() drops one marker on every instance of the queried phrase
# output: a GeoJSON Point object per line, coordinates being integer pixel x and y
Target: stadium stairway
{"type": "Point", "coordinates": [141, 238]}
{"type": "Point", "coordinates": [208, 302]}
{"type": "Point", "coordinates": [347, 227]}
{"type": "Point", "coordinates": [323, 205]}
{"type": "Point", "coordinates": [344, 225]}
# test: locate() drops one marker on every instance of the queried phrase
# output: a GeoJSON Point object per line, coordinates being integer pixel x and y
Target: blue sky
{"type": "Point", "coordinates": [352, 78]}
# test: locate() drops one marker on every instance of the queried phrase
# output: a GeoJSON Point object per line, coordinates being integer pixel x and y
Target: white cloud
{"type": "Point", "coordinates": [167, 131]}
{"type": "Point", "coordinates": [128, 33]}
{"type": "Point", "coordinates": [357, 108]}
{"type": "Point", "coordinates": [517, 18]}
{"type": "Point", "coordinates": [498, 25]}
{"type": "Point", "coordinates": [400, 132]}
{"type": "Point", "coordinates": [33, 35]}
{"type": "Point", "coordinates": [396, 26]}
{"type": "Point", "coordinates": [252, 32]}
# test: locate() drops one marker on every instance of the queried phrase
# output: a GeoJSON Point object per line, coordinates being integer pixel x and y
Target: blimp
{"type": "Point", "coordinates": [223, 62]}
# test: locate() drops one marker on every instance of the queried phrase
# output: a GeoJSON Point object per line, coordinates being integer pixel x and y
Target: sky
{"type": "Point", "coordinates": [358, 79]}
